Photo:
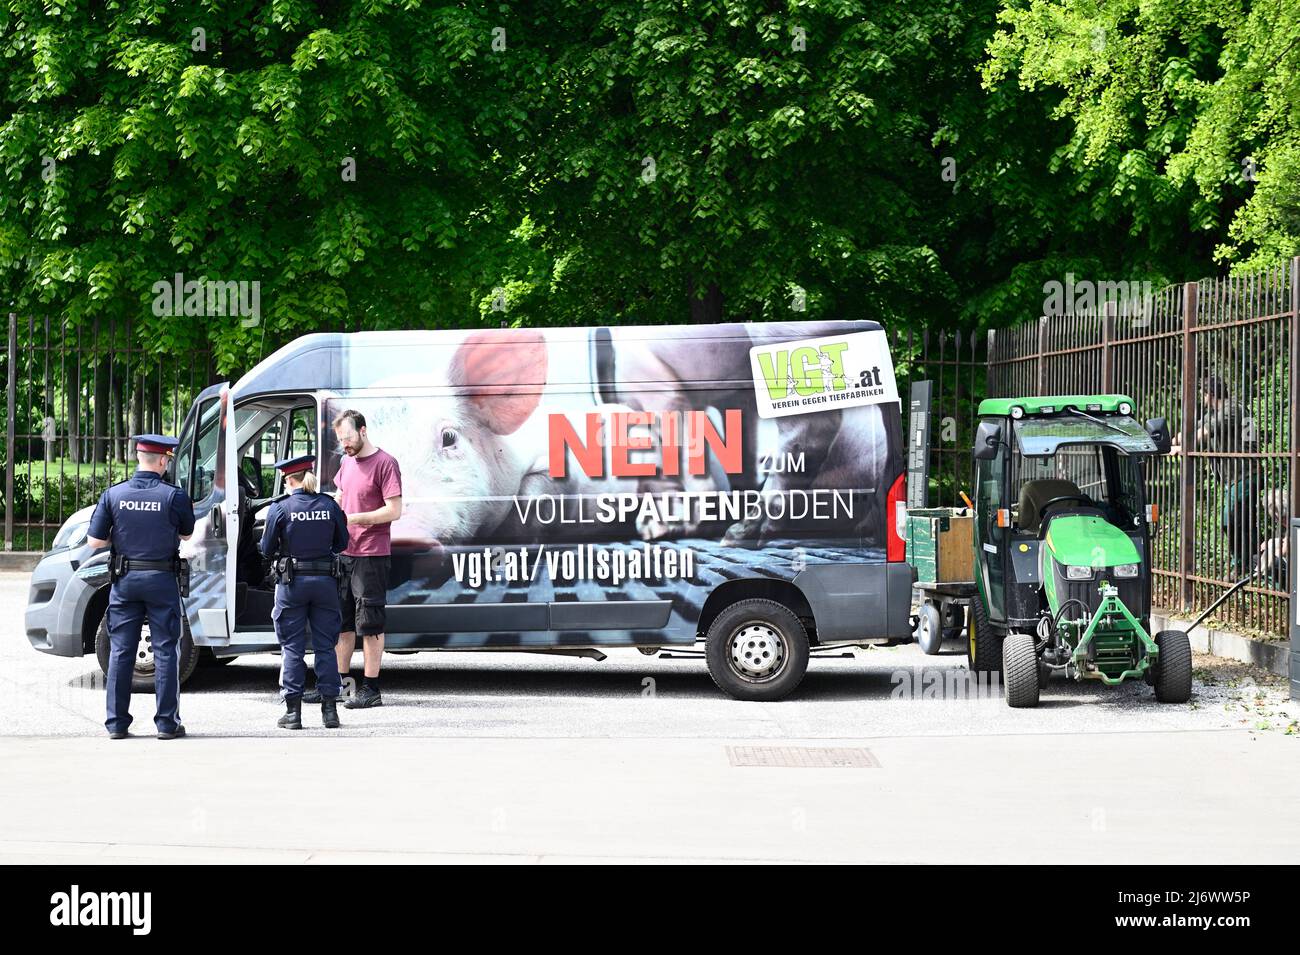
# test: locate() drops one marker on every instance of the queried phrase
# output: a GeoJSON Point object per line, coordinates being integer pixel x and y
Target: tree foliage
{"type": "Point", "coordinates": [386, 163]}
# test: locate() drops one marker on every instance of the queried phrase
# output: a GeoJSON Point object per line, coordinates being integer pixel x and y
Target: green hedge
{"type": "Point", "coordinates": [39, 499]}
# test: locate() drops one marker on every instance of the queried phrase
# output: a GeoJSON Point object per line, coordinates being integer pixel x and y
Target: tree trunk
{"type": "Point", "coordinates": [119, 416]}
{"type": "Point", "coordinates": [99, 439]}
{"type": "Point", "coordinates": [73, 400]}
{"type": "Point", "coordinates": [706, 308]}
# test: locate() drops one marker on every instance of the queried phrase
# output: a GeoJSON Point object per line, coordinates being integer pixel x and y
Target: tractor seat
{"type": "Point", "coordinates": [1037, 493]}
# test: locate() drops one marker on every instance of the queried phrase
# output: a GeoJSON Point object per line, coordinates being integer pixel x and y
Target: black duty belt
{"type": "Point", "coordinates": [132, 563]}
{"type": "Point", "coordinates": [313, 566]}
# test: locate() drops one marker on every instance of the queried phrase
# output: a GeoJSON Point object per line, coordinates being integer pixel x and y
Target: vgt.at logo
{"type": "Point", "coordinates": [77, 908]}
{"type": "Point", "coordinates": [819, 374]}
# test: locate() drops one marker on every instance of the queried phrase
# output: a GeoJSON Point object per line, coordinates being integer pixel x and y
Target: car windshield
{"type": "Point", "coordinates": [1039, 436]}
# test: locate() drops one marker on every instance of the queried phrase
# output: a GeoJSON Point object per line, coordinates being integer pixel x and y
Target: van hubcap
{"type": "Point", "coordinates": [757, 651]}
{"type": "Point", "coordinates": [144, 652]}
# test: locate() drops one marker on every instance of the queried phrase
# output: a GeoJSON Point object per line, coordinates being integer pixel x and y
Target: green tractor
{"type": "Point", "coordinates": [1063, 548]}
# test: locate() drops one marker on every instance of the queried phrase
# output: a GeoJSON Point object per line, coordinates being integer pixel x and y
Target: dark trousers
{"type": "Point", "coordinates": [141, 595]}
{"type": "Point", "coordinates": [308, 604]}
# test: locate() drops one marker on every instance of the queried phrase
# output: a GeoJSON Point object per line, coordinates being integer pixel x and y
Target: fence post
{"type": "Point", "coordinates": [1294, 397]}
{"type": "Point", "coordinates": [11, 417]}
{"type": "Point", "coordinates": [1042, 363]}
{"type": "Point", "coordinates": [1187, 495]}
{"type": "Point", "coordinates": [1107, 363]}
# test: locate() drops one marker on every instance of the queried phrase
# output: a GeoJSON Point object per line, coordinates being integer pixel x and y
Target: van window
{"type": "Point", "coordinates": [302, 432]}
{"type": "Point", "coordinates": [205, 453]}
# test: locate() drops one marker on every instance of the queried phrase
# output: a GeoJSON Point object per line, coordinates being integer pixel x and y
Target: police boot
{"type": "Point", "coordinates": [292, 719]}
{"type": "Point", "coordinates": [329, 712]}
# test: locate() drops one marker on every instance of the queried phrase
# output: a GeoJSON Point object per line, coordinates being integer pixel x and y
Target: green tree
{"type": "Point", "coordinates": [1183, 118]}
{"type": "Point", "coordinates": [335, 154]}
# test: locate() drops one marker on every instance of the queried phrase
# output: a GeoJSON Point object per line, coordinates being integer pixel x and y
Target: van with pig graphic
{"type": "Point", "coordinates": [564, 490]}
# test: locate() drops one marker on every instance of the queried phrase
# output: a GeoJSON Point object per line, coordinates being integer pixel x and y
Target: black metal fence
{"type": "Point", "coordinates": [957, 364]}
{"type": "Point", "coordinates": [1219, 359]}
{"type": "Point", "coordinates": [73, 397]}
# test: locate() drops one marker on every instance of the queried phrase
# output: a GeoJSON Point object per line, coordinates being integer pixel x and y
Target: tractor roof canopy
{"type": "Point", "coordinates": [1093, 404]}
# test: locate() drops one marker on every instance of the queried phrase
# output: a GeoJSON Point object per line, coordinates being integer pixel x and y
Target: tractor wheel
{"type": "Point", "coordinates": [1173, 669]}
{"type": "Point", "coordinates": [983, 644]}
{"type": "Point", "coordinates": [1020, 670]}
{"type": "Point", "coordinates": [929, 629]}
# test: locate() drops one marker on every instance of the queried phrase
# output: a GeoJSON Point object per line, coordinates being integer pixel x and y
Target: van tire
{"type": "Point", "coordinates": [1173, 669]}
{"type": "Point", "coordinates": [983, 643]}
{"type": "Point", "coordinates": [142, 681]}
{"type": "Point", "coordinates": [735, 663]}
{"type": "Point", "coordinates": [1020, 670]}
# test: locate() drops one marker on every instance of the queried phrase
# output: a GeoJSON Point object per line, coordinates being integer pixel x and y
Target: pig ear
{"type": "Point", "coordinates": [502, 374]}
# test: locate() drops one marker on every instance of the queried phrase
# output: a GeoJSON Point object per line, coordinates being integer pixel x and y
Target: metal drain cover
{"type": "Point", "coordinates": [803, 757]}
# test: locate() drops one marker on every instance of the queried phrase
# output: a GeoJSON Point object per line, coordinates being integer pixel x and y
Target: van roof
{"type": "Point", "coordinates": [320, 361]}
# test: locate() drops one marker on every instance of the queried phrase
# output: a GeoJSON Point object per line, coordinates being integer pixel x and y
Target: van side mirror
{"type": "Point", "coordinates": [987, 438]}
{"type": "Point", "coordinates": [1159, 431]}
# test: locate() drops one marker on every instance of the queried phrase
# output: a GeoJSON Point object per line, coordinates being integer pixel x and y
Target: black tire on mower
{"type": "Point", "coordinates": [1020, 670]}
{"type": "Point", "coordinates": [983, 643]}
{"type": "Point", "coordinates": [1173, 668]}
{"type": "Point", "coordinates": [929, 629]}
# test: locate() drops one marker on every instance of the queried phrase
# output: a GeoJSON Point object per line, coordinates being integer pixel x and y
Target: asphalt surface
{"type": "Point", "coordinates": [522, 757]}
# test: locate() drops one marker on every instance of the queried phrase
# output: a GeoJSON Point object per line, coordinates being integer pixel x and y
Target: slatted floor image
{"type": "Point", "coordinates": [714, 563]}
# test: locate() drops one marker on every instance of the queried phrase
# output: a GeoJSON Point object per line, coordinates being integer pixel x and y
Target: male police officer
{"type": "Point", "coordinates": [304, 533]}
{"type": "Point", "coordinates": [144, 518]}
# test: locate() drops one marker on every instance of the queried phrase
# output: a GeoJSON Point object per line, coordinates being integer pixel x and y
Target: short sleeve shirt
{"type": "Point", "coordinates": [364, 484]}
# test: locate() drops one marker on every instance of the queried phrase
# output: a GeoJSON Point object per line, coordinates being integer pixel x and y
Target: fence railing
{"type": "Point", "coordinates": [1220, 360]}
{"type": "Point", "coordinates": [73, 398]}
{"type": "Point", "coordinates": [957, 364]}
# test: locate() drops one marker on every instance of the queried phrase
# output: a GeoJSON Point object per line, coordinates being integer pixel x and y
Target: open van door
{"type": "Point", "coordinates": [211, 598]}
{"type": "Point", "coordinates": [228, 482]}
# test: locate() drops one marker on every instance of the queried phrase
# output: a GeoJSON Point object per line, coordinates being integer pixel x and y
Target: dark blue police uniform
{"type": "Point", "coordinates": [310, 528]}
{"type": "Point", "coordinates": [144, 517]}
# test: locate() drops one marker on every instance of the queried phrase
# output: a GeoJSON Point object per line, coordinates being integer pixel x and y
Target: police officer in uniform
{"type": "Point", "coordinates": [304, 533]}
{"type": "Point", "coordinates": [144, 519]}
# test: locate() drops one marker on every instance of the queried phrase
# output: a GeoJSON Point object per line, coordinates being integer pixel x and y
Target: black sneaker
{"type": "Point", "coordinates": [118, 734]}
{"type": "Point", "coordinates": [178, 732]}
{"type": "Point", "coordinates": [365, 698]}
{"type": "Point", "coordinates": [314, 695]}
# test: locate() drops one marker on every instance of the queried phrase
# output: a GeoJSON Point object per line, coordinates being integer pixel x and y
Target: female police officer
{"type": "Point", "coordinates": [304, 532]}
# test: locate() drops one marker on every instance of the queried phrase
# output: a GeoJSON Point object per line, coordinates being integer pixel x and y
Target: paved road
{"type": "Point", "coordinates": [537, 758]}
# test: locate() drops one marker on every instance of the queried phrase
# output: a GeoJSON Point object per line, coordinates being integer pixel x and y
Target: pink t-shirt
{"type": "Point", "coordinates": [364, 483]}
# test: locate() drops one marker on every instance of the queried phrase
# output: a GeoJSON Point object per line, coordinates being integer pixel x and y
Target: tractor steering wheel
{"type": "Point", "coordinates": [1081, 498]}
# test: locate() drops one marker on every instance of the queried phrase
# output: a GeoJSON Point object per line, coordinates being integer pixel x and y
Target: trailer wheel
{"type": "Point", "coordinates": [757, 650]}
{"type": "Point", "coordinates": [142, 676]}
{"type": "Point", "coordinates": [983, 644]}
{"type": "Point", "coordinates": [929, 629]}
{"type": "Point", "coordinates": [954, 619]}
{"type": "Point", "coordinates": [1173, 668]}
{"type": "Point", "coordinates": [1020, 670]}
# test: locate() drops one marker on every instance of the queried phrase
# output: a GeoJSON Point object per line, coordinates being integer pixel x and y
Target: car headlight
{"type": "Point", "coordinates": [1077, 572]}
{"type": "Point", "coordinates": [71, 535]}
{"type": "Point", "coordinates": [1127, 570]}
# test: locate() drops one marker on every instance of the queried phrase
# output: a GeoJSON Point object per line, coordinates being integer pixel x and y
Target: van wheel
{"type": "Point", "coordinates": [757, 650]}
{"type": "Point", "coordinates": [983, 643]}
{"type": "Point", "coordinates": [1173, 669]}
{"type": "Point", "coordinates": [1020, 670]}
{"type": "Point", "coordinates": [142, 677]}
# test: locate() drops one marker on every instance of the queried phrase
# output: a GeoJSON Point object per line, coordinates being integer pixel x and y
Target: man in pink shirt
{"type": "Point", "coordinates": [369, 484]}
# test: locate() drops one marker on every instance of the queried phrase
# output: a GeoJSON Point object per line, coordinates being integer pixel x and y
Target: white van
{"type": "Point", "coordinates": [563, 489]}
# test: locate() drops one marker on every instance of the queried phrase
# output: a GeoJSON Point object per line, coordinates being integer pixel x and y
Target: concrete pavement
{"type": "Point", "coordinates": [522, 758]}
